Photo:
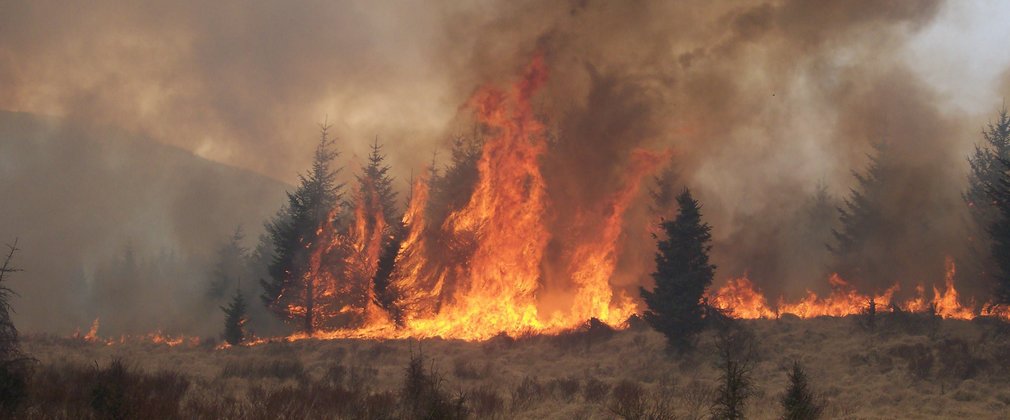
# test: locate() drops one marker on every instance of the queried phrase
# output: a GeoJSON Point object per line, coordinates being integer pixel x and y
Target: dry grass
{"type": "Point", "coordinates": [905, 368]}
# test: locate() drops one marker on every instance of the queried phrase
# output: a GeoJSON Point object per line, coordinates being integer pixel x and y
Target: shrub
{"type": "Point", "coordinates": [628, 400]}
{"type": "Point", "coordinates": [527, 393]}
{"type": "Point", "coordinates": [595, 390]}
{"type": "Point", "coordinates": [485, 402]}
{"type": "Point", "coordinates": [423, 396]}
{"type": "Point", "coordinates": [563, 389]}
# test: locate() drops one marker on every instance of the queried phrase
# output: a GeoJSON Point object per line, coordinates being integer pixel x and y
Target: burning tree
{"type": "Point", "coordinates": [289, 291]}
{"type": "Point", "coordinates": [683, 272]}
{"type": "Point", "coordinates": [375, 191]}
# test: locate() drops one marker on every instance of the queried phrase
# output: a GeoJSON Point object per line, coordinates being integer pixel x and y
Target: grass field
{"type": "Point", "coordinates": [907, 367]}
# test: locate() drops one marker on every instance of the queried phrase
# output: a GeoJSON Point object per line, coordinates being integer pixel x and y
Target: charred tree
{"type": "Point", "coordinates": [235, 319]}
{"type": "Point", "coordinates": [232, 262]}
{"type": "Point", "coordinates": [799, 402]}
{"type": "Point", "coordinates": [987, 169]}
{"type": "Point", "coordinates": [675, 306]}
{"type": "Point", "coordinates": [294, 230]}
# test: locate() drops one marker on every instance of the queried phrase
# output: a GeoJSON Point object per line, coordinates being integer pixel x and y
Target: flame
{"type": "Point", "coordinates": [740, 298]}
{"type": "Point", "coordinates": [484, 276]}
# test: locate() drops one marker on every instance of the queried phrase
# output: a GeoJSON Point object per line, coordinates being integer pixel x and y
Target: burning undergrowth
{"type": "Point", "coordinates": [481, 271]}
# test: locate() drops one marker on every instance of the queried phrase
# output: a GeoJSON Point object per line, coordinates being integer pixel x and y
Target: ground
{"type": "Point", "coordinates": [905, 367]}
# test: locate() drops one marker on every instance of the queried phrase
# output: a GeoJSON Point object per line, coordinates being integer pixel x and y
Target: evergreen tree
{"type": "Point", "coordinates": [986, 170]}
{"type": "Point", "coordinates": [799, 402]}
{"type": "Point", "coordinates": [675, 306]}
{"type": "Point", "coordinates": [664, 192]}
{"type": "Point", "coordinates": [451, 189]}
{"type": "Point", "coordinates": [294, 230]}
{"type": "Point", "coordinates": [235, 319]}
{"type": "Point", "coordinates": [375, 185]}
{"type": "Point", "coordinates": [999, 233]}
{"type": "Point", "coordinates": [867, 233]}
{"type": "Point", "coordinates": [736, 354]}
{"type": "Point", "coordinates": [232, 262]}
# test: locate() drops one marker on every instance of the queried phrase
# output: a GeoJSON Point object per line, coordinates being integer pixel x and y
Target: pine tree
{"type": "Point", "coordinates": [867, 233]}
{"type": "Point", "coordinates": [375, 178]}
{"type": "Point", "coordinates": [232, 262]}
{"type": "Point", "coordinates": [799, 402]}
{"type": "Point", "coordinates": [675, 305]}
{"type": "Point", "coordinates": [294, 229]}
{"type": "Point", "coordinates": [235, 319]}
{"type": "Point", "coordinates": [986, 170]}
{"type": "Point", "coordinates": [736, 354]}
{"type": "Point", "coordinates": [999, 233]}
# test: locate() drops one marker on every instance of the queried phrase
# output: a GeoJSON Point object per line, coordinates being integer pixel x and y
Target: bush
{"type": "Point", "coordinates": [595, 390]}
{"type": "Point", "coordinates": [116, 391]}
{"type": "Point", "coordinates": [485, 402]}
{"type": "Point", "coordinates": [527, 393]}
{"type": "Point", "coordinates": [628, 401]}
{"type": "Point", "coordinates": [563, 389]}
{"type": "Point", "coordinates": [423, 396]}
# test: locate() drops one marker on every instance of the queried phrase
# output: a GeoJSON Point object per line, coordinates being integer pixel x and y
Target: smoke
{"type": "Point", "coordinates": [760, 102]}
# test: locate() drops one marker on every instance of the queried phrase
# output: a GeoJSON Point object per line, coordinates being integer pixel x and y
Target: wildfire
{"type": "Point", "coordinates": [484, 276]}
{"type": "Point", "coordinates": [740, 298]}
{"type": "Point", "coordinates": [156, 337]}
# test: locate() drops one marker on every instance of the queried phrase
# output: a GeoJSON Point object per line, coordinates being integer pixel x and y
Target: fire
{"type": "Point", "coordinates": [740, 298]}
{"type": "Point", "coordinates": [156, 337]}
{"type": "Point", "coordinates": [485, 278]}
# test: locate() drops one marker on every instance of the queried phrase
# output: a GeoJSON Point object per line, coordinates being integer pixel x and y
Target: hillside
{"type": "Point", "coordinates": [77, 196]}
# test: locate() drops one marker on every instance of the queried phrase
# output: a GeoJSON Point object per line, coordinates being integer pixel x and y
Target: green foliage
{"type": "Point", "coordinates": [799, 402]}
{"type": "Point", "coordinates": [736, 357]}
{"type": "Point", "coordinates": [675, 307]}
{"type": "Point", "coordinates": [985, 202]}
{"type": "Point", "coordinates": [294, 229]}
{"type": "Point", "coordinates": [235, 319]}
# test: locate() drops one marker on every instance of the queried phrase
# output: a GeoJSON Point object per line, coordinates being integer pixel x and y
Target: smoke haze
{"type": "Point", "coordinates": [177, 121]}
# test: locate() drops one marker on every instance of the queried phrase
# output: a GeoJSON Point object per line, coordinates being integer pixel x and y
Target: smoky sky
{"type": "Point", "coordinates": [759, 101]}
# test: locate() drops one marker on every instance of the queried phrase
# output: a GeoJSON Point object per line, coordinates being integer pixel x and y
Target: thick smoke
{"type": "Point", "coordinates": [760, 102]}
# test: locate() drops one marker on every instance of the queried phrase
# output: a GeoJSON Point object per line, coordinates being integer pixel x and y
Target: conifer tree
{"type": "Point", "coordinates": [987, 168]}
{"type": "Point", "coordinates": [999, 233]}
{"type": "Point", "coordinates": [232, 262]}
{"type": "Point", "coordinates": [294, 230]}
{"type": "Point", "coordinates": [867, 233]}
{"type": "Point", "coordinates": [235, 319]}
{"type": "Point", "coordinates": [375, 178]}
{"type": "Point", "coordinates": [799, 402]}
{"type": "Point", "coordinates": [736, 355]}
{"type": "Point", "coordinates": [675, 306]}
